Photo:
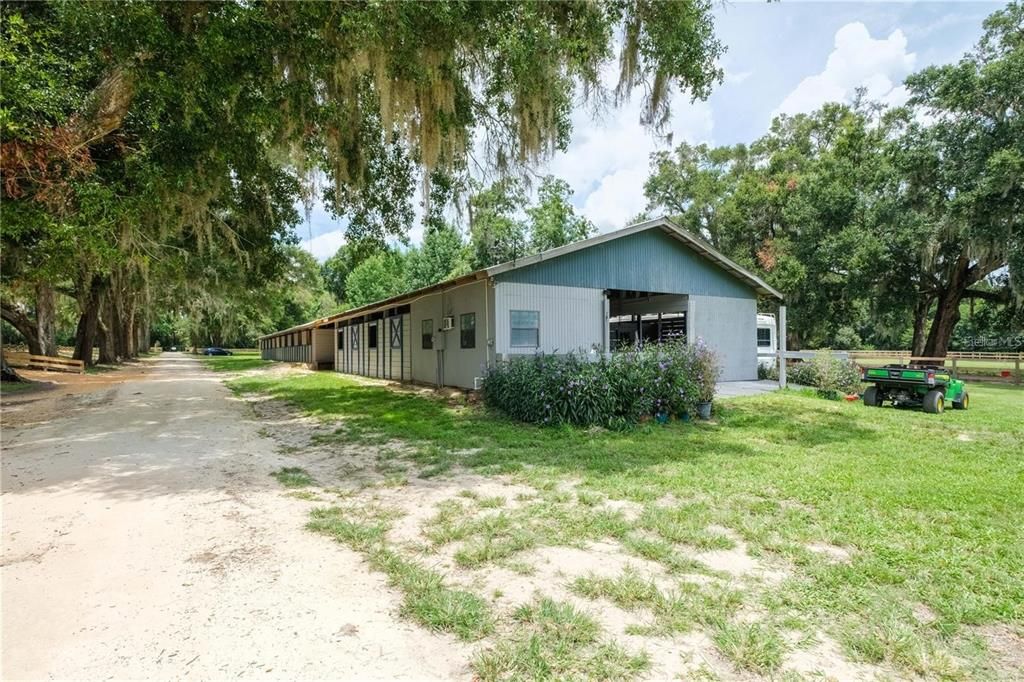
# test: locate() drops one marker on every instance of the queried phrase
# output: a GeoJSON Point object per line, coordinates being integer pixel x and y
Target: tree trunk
{"type": "Point", "coordinates": [920, 320]}
{"type": "Point", "coordinates": [25, 326]}
{"type": "Point", "coordinates": [46, 318]}
{"type": "Point", "coordinates": [7, 373]}
{"type": "Point", "coordinates": [947, 310]}
{"type": "Point", "coordinates": [105, 334]}
{"type": "Point", "coordinates": [88, 322]}
{"type": "Point", "coordinates": [130, 336]}
{"type": "Point", "coordinates": [143, 335]}
{"type": "Point", "coordinates": [117, 322]}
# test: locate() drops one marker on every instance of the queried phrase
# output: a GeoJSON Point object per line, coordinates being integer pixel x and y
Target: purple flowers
{"type": "Point", "coordinates": [658, 380]}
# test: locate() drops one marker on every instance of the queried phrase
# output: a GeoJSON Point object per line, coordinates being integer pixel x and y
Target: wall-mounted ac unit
{"type": "Point", "coordinates": [447, 323]}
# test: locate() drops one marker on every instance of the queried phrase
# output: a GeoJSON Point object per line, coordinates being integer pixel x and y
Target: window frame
{"type": "Point", "coordinates": [427, 337]}
{"type": "Point", "coordinates": [768, 341]}
{"type": "Point", "coordinates": [462, 331]}
{"type": "Point", "coordinates": [371, 335]}
{"type": "Point", "coordinates": [512, 329]}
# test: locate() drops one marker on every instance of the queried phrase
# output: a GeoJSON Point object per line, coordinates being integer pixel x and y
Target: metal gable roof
{"type": "Point", "coordinates": [667, 226]}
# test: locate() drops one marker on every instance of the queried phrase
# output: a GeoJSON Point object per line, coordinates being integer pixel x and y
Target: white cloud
{"type": "Point", "coordinates": [858, 60]}
{"type": "Point", "coordinates": [325, 245]}
{"type": "Point", "coordinates": [737, 77]}
{"type": "Point", "coordinates": [608, 160]}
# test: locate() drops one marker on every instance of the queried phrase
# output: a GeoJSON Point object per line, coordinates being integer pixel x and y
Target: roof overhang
{"type": "Point", "coordinates": [377, 306]}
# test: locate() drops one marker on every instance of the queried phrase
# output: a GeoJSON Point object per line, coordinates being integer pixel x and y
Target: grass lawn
{"type": "Point", "coordinates": [239, 361]}
{"type": "Point", "coordinates": [16, 386]}
{"type": "Point", "coordinates": [896, 535]}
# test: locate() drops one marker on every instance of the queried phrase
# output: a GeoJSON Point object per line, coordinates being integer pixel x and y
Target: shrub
{"type": "Point", "coordinates": [768, 371]}
{"type": "Point", "coordinates": [830, 375]}
{"type": "Point", "coordinates": [583, 389]}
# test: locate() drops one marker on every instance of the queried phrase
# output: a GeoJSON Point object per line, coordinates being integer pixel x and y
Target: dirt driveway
{"type": "Point", "coordinates": [144, 538]}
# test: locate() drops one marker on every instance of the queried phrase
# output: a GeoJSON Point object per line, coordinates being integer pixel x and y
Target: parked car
{"type": "Point", "coordinates": [216, 351]}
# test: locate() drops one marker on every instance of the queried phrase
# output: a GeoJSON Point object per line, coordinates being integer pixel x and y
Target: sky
{"type": "Point", "coordinates": [783, 57]}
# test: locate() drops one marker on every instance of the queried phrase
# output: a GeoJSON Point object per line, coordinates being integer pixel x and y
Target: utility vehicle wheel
{"type": "Point", "coordinates": [964, 402]}
{"type": "Point", "coordinates": [871, 397]}
{"type": "Point", "coordinates": [934, 402]}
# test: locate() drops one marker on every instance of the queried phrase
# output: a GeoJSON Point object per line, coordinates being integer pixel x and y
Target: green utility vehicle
{"type": "Point", "coordinates": [927, 386]}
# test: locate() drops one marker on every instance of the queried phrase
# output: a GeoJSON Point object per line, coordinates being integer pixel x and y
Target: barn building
{"type": "Point", "coordinates": [646, 282]}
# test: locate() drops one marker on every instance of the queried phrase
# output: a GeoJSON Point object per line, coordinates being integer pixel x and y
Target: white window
{"type": "Point", "coordinates": [525, 328]}
{"type": "Point", "coordinates": [764, 337]}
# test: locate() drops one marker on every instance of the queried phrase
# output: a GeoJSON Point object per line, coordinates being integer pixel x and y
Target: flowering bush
{"type": "Point", "coordinates": [633, 385]}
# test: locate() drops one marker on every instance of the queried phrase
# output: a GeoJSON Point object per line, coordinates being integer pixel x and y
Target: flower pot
{"type": "Point", "coordinates": [661, 417]}
{"type": "Point", "coordinates": [683, 416]}
{"type": "Point", "coordinates": [704, 410]}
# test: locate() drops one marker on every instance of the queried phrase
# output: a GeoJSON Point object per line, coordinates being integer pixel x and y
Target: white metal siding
{"type": "Point", "coordinates": [729, 327]}
{"type": "Point", "coordinates": [461, 365]}
{"type": "Point", "coordinates": [571, 318]}
{"type": "Point", "coordinates": [382, 362]}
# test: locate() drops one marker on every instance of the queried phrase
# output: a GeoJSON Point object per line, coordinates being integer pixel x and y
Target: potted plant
{"type": "Point", "coordinates": [707, 373]}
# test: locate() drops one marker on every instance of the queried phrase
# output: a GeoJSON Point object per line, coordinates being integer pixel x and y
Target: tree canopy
{"type": "Point", "coordinates": [877, 223]}
{"type": "Point", "coordinates": [151, 140]}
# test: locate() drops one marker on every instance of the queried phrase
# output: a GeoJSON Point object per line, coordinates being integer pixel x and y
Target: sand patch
{"type": "Point", "coordinates": [831, 553]}
{"type": "Point", "coordinates": [738, 562]}
{"type": "Point", "coordinates": [824, 659]}
{"type": "Point", "coordinates": [1007, 646]}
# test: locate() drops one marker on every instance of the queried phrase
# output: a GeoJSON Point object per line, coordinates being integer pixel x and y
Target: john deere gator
{"type": "Point", "coordinates": [927, 386]}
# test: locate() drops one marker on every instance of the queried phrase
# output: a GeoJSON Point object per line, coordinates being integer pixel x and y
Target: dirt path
{"type": "Point", "coordinates": [144, 538]}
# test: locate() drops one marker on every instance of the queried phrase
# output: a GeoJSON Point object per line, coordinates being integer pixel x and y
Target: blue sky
{"type": "Point", "coordinates": [781, 57]}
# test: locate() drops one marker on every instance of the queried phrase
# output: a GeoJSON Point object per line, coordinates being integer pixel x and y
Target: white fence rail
{"type": "Point", "coordinates": [957, 361]}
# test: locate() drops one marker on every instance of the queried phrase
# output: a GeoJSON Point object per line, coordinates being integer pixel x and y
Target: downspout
{"type": "Point", "coordinates": [488, 342]}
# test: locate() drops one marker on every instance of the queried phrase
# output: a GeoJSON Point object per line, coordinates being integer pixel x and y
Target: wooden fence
{"type": "Point", "coordinates": [1007, 366]}
{"type": "Point", "coordinates": [44, 362]}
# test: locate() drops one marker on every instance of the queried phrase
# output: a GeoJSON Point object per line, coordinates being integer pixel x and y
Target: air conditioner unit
{"type": "Point", "coordinates": [447, 323]}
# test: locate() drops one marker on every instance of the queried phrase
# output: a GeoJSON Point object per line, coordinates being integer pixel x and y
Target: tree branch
{"type": "Point", "coordinates": [1000, 296]}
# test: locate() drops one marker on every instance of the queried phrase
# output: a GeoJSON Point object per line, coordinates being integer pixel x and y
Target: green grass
{"type": "Point", "coordinates": [15, 386]}
{"type": "Point", "coordinates": [552, 518]}
{"type": "Point", "coordinates": [555, 641]}
{"type": "Point", "coordinates": [751, 646]}
{"type": "Point", "coordinates": [426, 597]}
{"type": "Point", "coordinates": [293, 477]}
{"type": "Point", "coordinates": [686, 607]}
{"type": "Point", "coordinates": [240, 361]}
{"type": "Point", "coordinates": [928, 506]}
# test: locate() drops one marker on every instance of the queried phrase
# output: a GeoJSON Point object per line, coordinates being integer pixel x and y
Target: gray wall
{"type": "Point", "coordinates": [460, 365]}
{"type": "Point", "coordinates": [571, 318]}
{"type": "Point", "coordinates": [324, 344]}
{"type": "Point", "coordinates": [729, 327]}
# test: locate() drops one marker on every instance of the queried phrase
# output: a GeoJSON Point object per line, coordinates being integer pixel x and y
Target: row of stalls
{"type": "Point", "coordinates": [375, 345]}
{"type": "Point", "coordinates": [288, 346]}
